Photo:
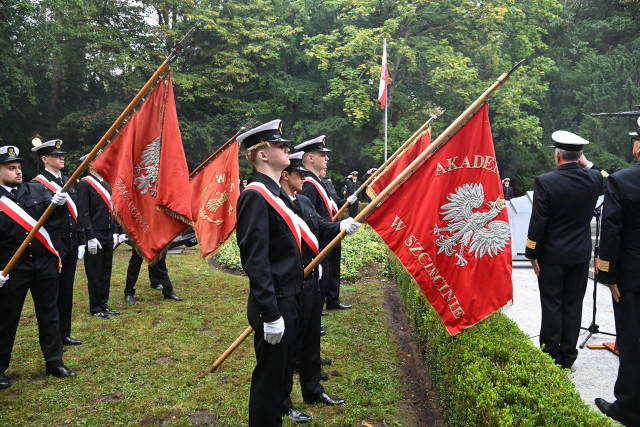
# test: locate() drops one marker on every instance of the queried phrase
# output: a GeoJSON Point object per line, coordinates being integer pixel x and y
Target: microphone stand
{"type": "Point", "coordinates": [593, 327]}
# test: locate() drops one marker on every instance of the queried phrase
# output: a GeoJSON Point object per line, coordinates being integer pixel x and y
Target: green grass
{"type": "Point", "coordinates": [147, 366]}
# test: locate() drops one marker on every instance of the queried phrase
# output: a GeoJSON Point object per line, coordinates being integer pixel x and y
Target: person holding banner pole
{"type": "Point", "coordinates": [37, 271]}
{"type": "Point", "coordinates": [270, 252]}
{"type": "Point", "coordinates": [65, 231]}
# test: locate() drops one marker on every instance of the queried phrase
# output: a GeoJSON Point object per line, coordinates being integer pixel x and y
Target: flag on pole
{"type": "Point", "coordinates": [214, 196]}
{"type": "Point", "coordinates": [399, 164]}
{"type": "Point", "coordinates": [146, 167]}
{"type": "Point", "coordinates": [384, 79]}
{"type": "Point", "coordinates": [448, 225]}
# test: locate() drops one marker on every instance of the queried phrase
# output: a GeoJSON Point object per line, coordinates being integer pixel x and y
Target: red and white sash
{"type": "Point", "coordinates": [53, 186]}
{"type": "Point", "coordinates": [101, 191]}
{"type": "Point", "coordinates": [299, 228]}
{"type": "Point", "coordinates": [26, 221]}
{"type": "Point", "coordinates": [332, 208]}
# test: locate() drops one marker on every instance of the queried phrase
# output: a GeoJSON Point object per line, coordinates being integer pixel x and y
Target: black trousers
{"type": "Point", "coordinates": [98, 269]}
{"type": "Point", "coordinates": [39, 274]}
{"type": "Point", "coordinates": [158, 273]}
{"type": "Point", "coordinates": [562, 289]}
{"type": "Point", "coordinates": [333, 289]}
{"type": "Point", "coordinates": [353, 209]}
{"type": "Point", "coordinates": [627, 388]}
{"type": "Point", "coordinates": [68, 249]}
{"type": "Point", "coordinates": [269, 377]}
{"type": "Point", "coordinates": [307, 345]}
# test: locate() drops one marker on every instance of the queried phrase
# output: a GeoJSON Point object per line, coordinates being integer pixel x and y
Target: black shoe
{"type": "Point", "coordinates": [606, 408]}
{"type": "Point", "coordinates": [325, 362]}
{"type": "Point", "coordinates": [299, 417]}
{"type": "Point", "coordinates": [324, 376]}
{"type": "Point", "coordinates": [338, 306]}
{"type": "Point", "coordinates": [129, 299]}
{"type": "Point", "coordinates": [4, 382]}
{"type": "Point", "coordinates": [173, 297]}
{"type": "Point", "coordinates": [321, 325]}
{"type": "Point", "coordinates": [324, 313]}
{"type": "Point", "coordinates": [71, 341]}
{"type": "Point", "coordinates": [323, 332]}
{"type": "Point", "coordinates": [327, 400]}
{"type": "Point", "coordinates": [101, 315]}
{"type": "Point", "coordinates": [111, 312]}
{"type": "Point", "coordinates": [156, 286]}
{"type": "Point", "coordinates": [61, 372]}
{"type": "Point", "coordinates": [64, 349]}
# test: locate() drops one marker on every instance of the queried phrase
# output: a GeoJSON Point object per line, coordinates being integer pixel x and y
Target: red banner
{"type": "Point", "coordinates": [448, 225]}
{"type": "Point", "coordinates": [215, 191]}
{"type": "Point", "coordinates": [396, 167]}
{"type": "Point", "coordinates": [147, 170]}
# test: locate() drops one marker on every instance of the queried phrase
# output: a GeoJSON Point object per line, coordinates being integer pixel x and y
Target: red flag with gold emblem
{"type": "Point", "coordinates": [403, 160]}
{"type": "Point", "coordinates": [148, 173]}
{"type": "Point", "coordinates": [448, 225]}
{"type": "Point", "coordinates": [214, 195]}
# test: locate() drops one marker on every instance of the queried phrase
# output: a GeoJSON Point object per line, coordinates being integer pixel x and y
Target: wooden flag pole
{"type": "Point", "coordinates": [244, 128]}
{"type": "Point", "coordinates": [173, 55]}
{"type": "Point", "coordinates": [442, 138]}
{"type": "Point", "coordinates": [386, 163]}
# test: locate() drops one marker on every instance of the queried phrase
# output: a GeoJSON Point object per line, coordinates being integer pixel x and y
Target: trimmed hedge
{"type": "Point", "coordinates": [491, 374]}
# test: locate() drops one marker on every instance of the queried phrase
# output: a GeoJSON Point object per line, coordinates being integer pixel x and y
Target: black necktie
{"type": "Point", "coordinates": [296, 207]}
{"type": "Point", "coordinates": [14, 191]}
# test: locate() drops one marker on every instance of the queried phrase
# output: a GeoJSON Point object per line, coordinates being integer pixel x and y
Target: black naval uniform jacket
{"type": "Point", "coordinates": [309, 190]}
{"type": "Point", "coordinates": [268, 250]}
{"type": "Point", "coordinates": [563, 203]}
{"type": "Point", "coordinates": [620, 244]}
{"type": "Point", "coordinates": [34, 199]}
{"type": "Point", "coordinates": [95, 216]}
{"type": "Point", "coordinates": [323, 230]}
{"type": "Point", "coordinates": [65, 227]}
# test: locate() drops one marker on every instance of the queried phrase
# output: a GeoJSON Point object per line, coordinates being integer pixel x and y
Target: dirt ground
{"type": "Point", "coordinates": [420, 399]}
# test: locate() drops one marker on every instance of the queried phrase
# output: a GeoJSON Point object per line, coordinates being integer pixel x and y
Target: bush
{"type": "Point", "coordinates": [491, 374]}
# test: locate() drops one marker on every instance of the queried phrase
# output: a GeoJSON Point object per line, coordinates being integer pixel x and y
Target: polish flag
{"type": "Point", "coordinates": [384, 78]}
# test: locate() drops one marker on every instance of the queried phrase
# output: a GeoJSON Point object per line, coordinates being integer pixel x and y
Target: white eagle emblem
{"type": "Point", "coordinates": [474, 230]}
{"type": "Point", "coordinates": [147, 170]}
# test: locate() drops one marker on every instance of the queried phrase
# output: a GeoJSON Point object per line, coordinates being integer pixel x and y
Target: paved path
{"type": "Point", "coordinates": [595, 371]}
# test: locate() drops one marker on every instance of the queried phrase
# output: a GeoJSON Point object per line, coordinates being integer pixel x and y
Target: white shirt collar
{"type": "Point", "coordinates": [57, 175]}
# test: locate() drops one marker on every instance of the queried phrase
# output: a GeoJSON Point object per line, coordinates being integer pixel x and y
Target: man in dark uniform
{"type": "Point", "coordinates": [35, 271]}
{"type": "Point", "coordinates": [559, 243]}
{"type": "Point", "coordinates": [315, 159]}
{"type": "Point", "coordinates": [271, 257]}
{"type": "Point", "coordinates": [617, 267]}
{"type": "Point", "coordinates": [101, 234]}
{"type": "Point", "coordinates": [65, 232]}
{"type": "Point", "coordinates": [307, 350]}
{"type": "Point", "coordinates": [158, 277]}
{"type": "Point", "coordinates": [352, 185]}
{"type": "Point", "coordinates": [507, 189]}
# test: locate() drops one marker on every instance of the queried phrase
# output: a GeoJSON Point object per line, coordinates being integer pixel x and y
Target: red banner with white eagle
{"type": "Point", "coordinates": [403, 160]}
{"type": "Point", "coordinates": [448, 225]}
{"type": "Point", "coordinates": [146, 167]}
{"type": "Point", "coordinates": [214, 196]}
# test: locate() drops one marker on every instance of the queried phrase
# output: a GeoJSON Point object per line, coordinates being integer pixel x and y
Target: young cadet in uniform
{"type": "Point", "coordinates": [307, 350]}
{"type": "Point", "coordinates": [559, 243]}
{"type": "Point", "coordinates": [315, 159]}
{"type": "Point", "coordinates": [617, 267]}
{"type": "Point", "coordinates": [271, 256]}
{"type": "Point", "coordinates": [35, 271]}
{"type": "Point", "coordinates": [158, 277]}
{"type": "Point", "coordinates": [65, 231]}
{"type": "Point", "coordinates": [101, 234]}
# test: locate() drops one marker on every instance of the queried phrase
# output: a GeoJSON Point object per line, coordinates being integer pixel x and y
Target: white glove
{"type": "Point", "coordinates": [81, 250]}
{"type": "Point", "coordinates": [59, 198]}
{"type": "Point", "coordinates": [319, 272]}
{"type": "Point", "coordinates": [115, 240]}
{"type": "Point", "coordinates": [122, 238]}
{"type": "Point", "coordinates": [273, 331]}
{"type": "Point", "coordinates": [94, 245]}
{"type": "Point", "coordinates": [352, 199]}
{"type": "Point", "coordinates": [349, 225]}
{"type": "Point", "coordinates": [3, 280]}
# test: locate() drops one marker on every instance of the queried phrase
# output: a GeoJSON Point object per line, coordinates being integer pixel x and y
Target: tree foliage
{"type": "Point", "coordinates": [71, 66]}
